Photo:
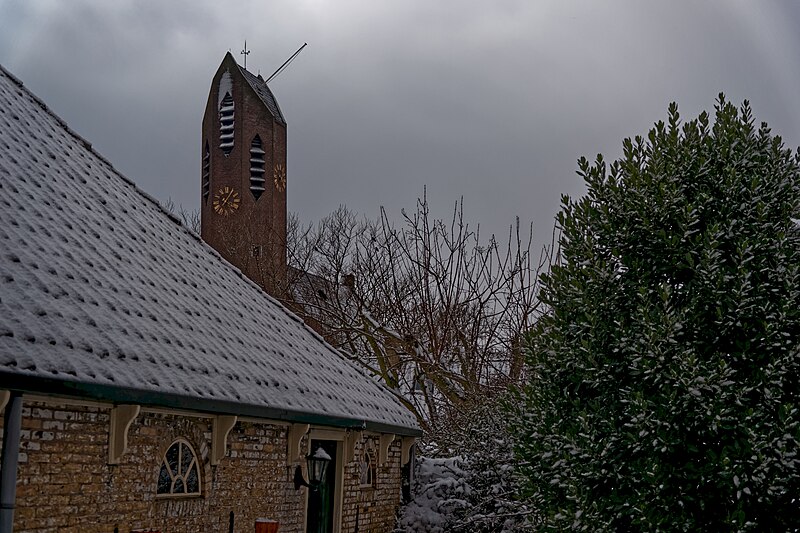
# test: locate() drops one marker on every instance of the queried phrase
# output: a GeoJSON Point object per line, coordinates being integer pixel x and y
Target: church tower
{"type": "Point", "coordinates": [243, 175]}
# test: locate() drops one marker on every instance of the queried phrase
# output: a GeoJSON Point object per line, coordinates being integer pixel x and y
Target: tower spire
{"type": "Point", "coordinates": [243, 175]}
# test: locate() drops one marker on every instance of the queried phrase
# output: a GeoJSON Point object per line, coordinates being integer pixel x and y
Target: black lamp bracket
{"type": "Point", "coordinates": [299, 480]}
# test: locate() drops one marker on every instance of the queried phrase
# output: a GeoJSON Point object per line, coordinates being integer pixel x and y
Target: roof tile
{"type": "Point", "coordinates": [263, 91]}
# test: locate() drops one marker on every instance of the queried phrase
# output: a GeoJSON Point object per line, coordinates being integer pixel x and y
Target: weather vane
{"type": "Point", "coordinates": [245, 53]}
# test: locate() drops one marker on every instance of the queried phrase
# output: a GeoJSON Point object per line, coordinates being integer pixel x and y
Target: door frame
{"type": "Point", "coordinates": [338, 492]}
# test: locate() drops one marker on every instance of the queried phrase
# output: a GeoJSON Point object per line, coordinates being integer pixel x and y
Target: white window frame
{"type": "Point", "coordinates": [195, 463]}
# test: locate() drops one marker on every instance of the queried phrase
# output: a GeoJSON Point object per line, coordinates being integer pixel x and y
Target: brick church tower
{"type": "Point", "coordinates": [243, 176]}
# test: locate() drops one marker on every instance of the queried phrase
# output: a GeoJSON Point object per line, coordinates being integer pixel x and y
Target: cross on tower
{"type": "Point", "coordinates": [245, 53]}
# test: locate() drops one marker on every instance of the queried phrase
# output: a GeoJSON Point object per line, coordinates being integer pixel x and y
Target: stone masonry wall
{"type": "Point", "coordinates": [65, 484]}
{"type": "Point", "coordinates": [372, 509]}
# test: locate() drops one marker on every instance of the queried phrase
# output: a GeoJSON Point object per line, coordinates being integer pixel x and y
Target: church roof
{"type": "Point", "coordinates": [262, 90]}
{"type": "Point", "coordinates": [105, 295]}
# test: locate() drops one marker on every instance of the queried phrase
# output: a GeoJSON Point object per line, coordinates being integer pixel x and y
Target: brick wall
{"type": "Point", "coordinates": [65, 484]}
{"type": "Point", "coordinates": [372, 509]}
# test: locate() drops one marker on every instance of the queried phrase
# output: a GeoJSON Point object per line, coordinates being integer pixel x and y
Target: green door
{"type": "Point", "coordinates": [319, 518]}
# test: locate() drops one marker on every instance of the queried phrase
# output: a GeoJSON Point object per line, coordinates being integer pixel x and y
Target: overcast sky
{"type": "Point", "coordinates": [490, 100]}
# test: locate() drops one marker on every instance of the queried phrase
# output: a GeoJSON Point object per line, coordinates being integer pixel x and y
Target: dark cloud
{"type": "Point", "coordinates": [490, 101]}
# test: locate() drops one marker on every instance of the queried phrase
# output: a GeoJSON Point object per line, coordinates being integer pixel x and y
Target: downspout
{"type": "Point", "coordinates": [10, 457]}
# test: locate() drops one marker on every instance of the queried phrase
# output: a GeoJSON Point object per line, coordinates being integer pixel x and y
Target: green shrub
{"type": "Point", "coordinates": [663, 392]}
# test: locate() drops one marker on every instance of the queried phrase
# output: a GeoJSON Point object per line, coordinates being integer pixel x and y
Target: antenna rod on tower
{"type": "Point", "coordinates": [245, 53]}
{"type": "Point", "coordinates": [286, 63]}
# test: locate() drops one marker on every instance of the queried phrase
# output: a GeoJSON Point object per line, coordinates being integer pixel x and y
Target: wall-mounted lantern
{"type": "Point", "coordinates": [317, 467]}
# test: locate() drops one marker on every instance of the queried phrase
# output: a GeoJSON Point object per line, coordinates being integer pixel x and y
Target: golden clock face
{"type": "Point", "coordinates": [226, 201]}
{"type": "Point", "coordinates": [280, 177]}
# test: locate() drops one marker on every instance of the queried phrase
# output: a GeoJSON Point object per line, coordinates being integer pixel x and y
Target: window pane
{"type": "Point", "coordinates": [366, 470]}
{"type": "Point", "coordinates": [172, 458]}
{"type": "Point", "coordinates": [186, 458]}
{"type": "Point", "coordinates": [193, 481]}
{"type": "Point", "coordinates": [178, 488]}
{"type": "Point", "coordinates": [164, 480]}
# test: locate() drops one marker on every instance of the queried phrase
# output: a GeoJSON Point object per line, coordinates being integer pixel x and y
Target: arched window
{"type": "Point", "coordinates": [206, 173]}
{"type": "Point", "coordinates": [180, 471]}
{"type": "Point", "coordinates": [367, 479]}
{"type": "Point", "coordinates": [257, 167]}
{"type": "Point", "coordinates": [226, 124]}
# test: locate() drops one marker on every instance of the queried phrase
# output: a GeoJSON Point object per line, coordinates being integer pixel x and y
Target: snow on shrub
{"type": "Point", "coordinates": [440, 490]}
{"type": "Point", "coordinates": [474, 491]}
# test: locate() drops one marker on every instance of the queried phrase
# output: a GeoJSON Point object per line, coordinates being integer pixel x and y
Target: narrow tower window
{"type": "Point", "coordinates": [226, 124]}
{"type": "Point", "coordinates": [257, 167]}
{"type": "Point", "coordinates": [206, 173]}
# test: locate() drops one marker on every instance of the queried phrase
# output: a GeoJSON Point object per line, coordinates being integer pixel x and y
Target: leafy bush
{"type": "Point", "coordinates": [664, 382]}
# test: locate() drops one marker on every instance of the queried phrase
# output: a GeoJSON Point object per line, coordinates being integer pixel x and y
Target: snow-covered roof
{"type": "Point", "coordinates": [104, 295]}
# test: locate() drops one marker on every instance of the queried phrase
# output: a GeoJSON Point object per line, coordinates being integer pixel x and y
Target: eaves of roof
{"type": "Point", "coordinates": [115, 394]}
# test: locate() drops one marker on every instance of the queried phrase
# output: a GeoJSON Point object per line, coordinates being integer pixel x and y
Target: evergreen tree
{"type": "Point", "coordinates": [664, 381]}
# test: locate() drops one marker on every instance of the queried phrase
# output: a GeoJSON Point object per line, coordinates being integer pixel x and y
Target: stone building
{"type": "Point", "coordinates": [146, 383]}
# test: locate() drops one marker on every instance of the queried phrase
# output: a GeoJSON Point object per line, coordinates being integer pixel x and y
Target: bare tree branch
{"type": "Point", "coordinates": [427, 307]}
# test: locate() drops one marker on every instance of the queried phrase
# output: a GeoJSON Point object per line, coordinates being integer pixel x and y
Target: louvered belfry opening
{"type": "Point", "coordinates": [257, 171]}
{"type": "Point", "coordinates": [226, 124]}
{"type": "Point", "coordinates": [206, 172]}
